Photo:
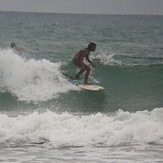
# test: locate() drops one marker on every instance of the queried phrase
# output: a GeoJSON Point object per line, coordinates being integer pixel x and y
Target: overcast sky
{"type": "Point", "coordinates": [147, 7]}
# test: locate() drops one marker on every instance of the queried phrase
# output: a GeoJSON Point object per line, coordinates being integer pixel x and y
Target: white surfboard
{"type": "Point", "coordinates": [91, 87]}
{"type": "Point", "coordinates": [79, 83]}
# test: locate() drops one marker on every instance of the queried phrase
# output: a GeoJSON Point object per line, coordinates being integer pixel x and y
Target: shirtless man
{"type": "Point", "coordinates": [17, 49]}
{"type": "Point", "coordinates": [78, 60]}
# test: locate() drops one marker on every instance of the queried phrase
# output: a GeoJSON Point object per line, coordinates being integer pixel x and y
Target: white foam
{"type": "Point", "coordinates": [62, 130]}
{"type": "Point", "coordinates": [31, 80]}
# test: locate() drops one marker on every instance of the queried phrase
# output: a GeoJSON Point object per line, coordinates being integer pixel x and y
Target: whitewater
{"type": "Point", "coordinates": [30, 79]}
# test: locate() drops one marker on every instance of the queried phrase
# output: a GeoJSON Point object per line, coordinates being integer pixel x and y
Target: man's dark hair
{"type": "Point", "coordinates": [91, 44]}
{"type": "Point", "coordinates": [13, 45]}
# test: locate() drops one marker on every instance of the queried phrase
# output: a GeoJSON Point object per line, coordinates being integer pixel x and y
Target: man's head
{"type": "Point", "coordinates": [91, 46]}
{"type": "Point", "coordinates": [13, 45]}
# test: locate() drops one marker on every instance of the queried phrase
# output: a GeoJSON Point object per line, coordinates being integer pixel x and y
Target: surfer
{"type": "Point", "coordinates": [78, 60]}
{"type": "Point", "coordinates": [16, 49]}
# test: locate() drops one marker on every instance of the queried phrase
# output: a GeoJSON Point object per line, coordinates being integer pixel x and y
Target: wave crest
{"type": "Point", "coordinates": [31, 80]}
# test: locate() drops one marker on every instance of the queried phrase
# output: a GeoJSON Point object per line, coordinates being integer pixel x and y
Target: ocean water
{"type": "Point", "coordinates": [46, 118]}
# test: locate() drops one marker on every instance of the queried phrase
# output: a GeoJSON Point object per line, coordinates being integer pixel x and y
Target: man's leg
{"type": "Point", "coordinates": [87, 74]}
{"type": "Point", "coordinates": [79, 73]}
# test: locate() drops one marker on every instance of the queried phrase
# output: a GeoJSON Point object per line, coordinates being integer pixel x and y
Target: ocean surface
{"type": "Point", "coordinates": [46, 118]}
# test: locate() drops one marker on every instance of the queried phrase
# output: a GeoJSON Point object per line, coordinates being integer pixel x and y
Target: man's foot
{"type": "Point", "coordinates": [87, 83]}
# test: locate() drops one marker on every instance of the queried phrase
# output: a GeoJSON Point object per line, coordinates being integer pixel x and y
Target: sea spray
{"type": "Point", "coordinates": [107, 59]}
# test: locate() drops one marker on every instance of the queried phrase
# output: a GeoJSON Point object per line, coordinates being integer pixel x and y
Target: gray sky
{"type": "Point", "coordinates": [147, 7]}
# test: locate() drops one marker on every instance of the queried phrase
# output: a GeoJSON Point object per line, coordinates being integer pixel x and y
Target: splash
{"type": "Point", "coordinates": [107, 59]}
{"type": "Point", "coordinates": [31, 80]}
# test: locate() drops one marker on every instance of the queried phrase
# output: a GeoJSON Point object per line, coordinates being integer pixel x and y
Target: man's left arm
{"type": "Point", "coordinates": [87, 58]}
